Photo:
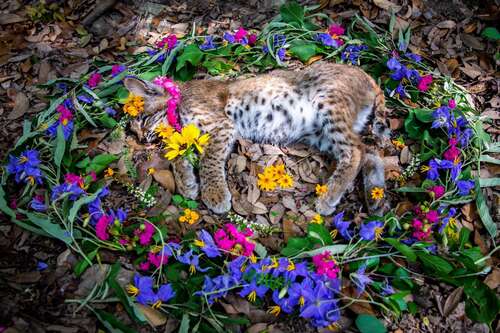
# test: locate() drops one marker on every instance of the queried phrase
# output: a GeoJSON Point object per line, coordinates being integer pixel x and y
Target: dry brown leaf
{"type": "Point", "coordinates": [387, 5]}
{"type": "Point", "coordinates": [7, 18]}
{"type": "Point", "coordinates": [166, 179]}
{"type": "Point", "coordinates": [253, 190]}
{"type": "Point", "coordinates": [493, 279]}
{"type": "Point", "coordinates": [403, 207]}
{"type": "Point", "coordinates": [472, 42]}
{"type": "Point", "coordinates": [276, 213]}
{"type": "Point", "coordinates": [289, 202]}
{"type": "Point", "coordinates": [452, 301]}
{"type": "Point", "coordinates": [257, 328]}
{"type": "Point", "coordinates": [21, 106]}
{"type": "Point", "coordinates": [449, 24]}
{"type": "Point", "coordinates": [306, 173]}
{"type": "Point", "coordinates": [154, 317]}
{"type": "Point", "coordinates": [357, 307]}
{"type": "Point", "coordinates": [290, 229]}
{"type": "Point", "coordinates": [259, 208]}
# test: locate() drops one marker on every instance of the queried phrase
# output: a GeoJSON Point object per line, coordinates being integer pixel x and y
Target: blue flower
{"type": "Point", "coordinates": [300, 291]}
{"type": "Point", "coordinates": [229, 38]}
{"type": "Point", "coordinates": [144, 293]}
{"type": "Point", "coordinates": [285, 304]}
{"type": "Point", "coordinates": [119, 216]}
{"type": "Point", "coordinates": [217, 287]}
{"type": "Point", "coordinates": [85, 98]}
{"type": "Point", "coordinates": [465, 137]}
{"type": "Point", "coordinates": [413, 76]}
{"type": "Point", "coordinates": [456, 169]}
{"type": "Point", "coordinates": [73, 189]}
{"type": "Point", "coordinates": [110, 111]}
{"type": "Point", "coordinates": [400, 90]}
{"type": "Point", "coordinates": [387, 289]}
{"type": "Point", "coordinates": [252, 291]}
{"type": "Point", "coordinates": [320, 307]}
{"type": "Point", "coordinates": [281, 54]}
{"type": "Point", "coordinates": [279, 40]}
{"type": "Point", "coordinates": [38, 204]}
{"type": "Point", "coordinates": [25, 167]}
{"type": "Point", "coordinates": [464, 187]}
{"type": "Point", "coordinates": [442, 117]}
{"type": "Point", "coordinates": [208, 44]}
{"type": "Point", "coordinates": [352, 53]}
{"type": "Point", "coordinates": [415, 57]}
{"type": "Point", "coordinates": [433, 169]}
{"type": "Point", "coordinates": [341, 226]}
{"type": "Point", "coordinates": [207, 244]}
{"type": "Point", "coordinates": [295, 270]}
{"type": "Point", "coordinates": [193, 261]}
{"type": "Point", "coordinates": [62, 86]}
{"type": "Point", "coordinates": [152, 53]}
{"type": "Point", "coordinates": [67, 128]}
{"type": "Point", "coordinates": [399, 71]}
{"type": "Point", "coordinates": [360, 279]}
{"type": "Point", "coordinates": [447, 219]}
{"type": "Point", "coordinates": [41, 266]}
{"type": "Point", "coordinates": [326, 40]}
{"type": "Point", "coordinates": [235, 267]}
{"type": "Point", "coordinates": [371, 230]}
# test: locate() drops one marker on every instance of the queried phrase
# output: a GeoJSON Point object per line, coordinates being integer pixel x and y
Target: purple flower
{"type": "Point", "coordinates": [144, 293]}
{"type": "Point", "coordinates": [252, 291]}
{"type": "Point", "coordinates": [400, 90]}
{"type": "Point", "coordinates": [295, 270]}
{"type": "Point", "coordinates": [341, 226]}
{"type": "Point", "coordinates": [279, 40]}
{"type": "Point", "coordinates": [38, 203]}
{"type": "Point", "coordinates": [193, 261]}
{"type": "Point", "coordinates": [442, 117]}
{"type": "Point", "coordinates": [415, 57]}
{"type": "Point", "coordinates": [360, 279]}
{"type": "Point", "coordinates": [119, 216]}
{"type": "Point", "coordinates": [85, 98]}
{"type": "Point", "coordinates": [320, 307]}
{"type": "Point", "coordinates": [207, 244]}
{"type": "Point", "coordinates": [25, 167]}
{"type": "Point", "coordinates": [74, 190]}
{"type": "Point", "coordinates": [300, 291]}
{"type": "Point", "coordinates": [352, 53]}
{"type": "Point", "coordinates": [327, 40]}
{"type": "Point", "coordinates": [433, 170]}
{"type": "Point", "coordinates": [371, 230]}
{"type": "Point", "coordinates": [229, 38]}
{"type": "Point", "coordinates": [67, 128]}
{"type": "Point", "coordinates": [117, 69]}
{"type": "Point", "coordinates": [464, 187]}
{"type": "Point", "coordinates": [281, 54]}
{"type": "Point", "coordinates": [110, 111]}
{"type": "Point", "coordinates": [399, 71]}
{"type": "Point", "coordinates": [235, 267]}
{"type": "Point", "coordinates": [217, 287]}
{"type": "Point", "coordinates": [285, 304]}
{"type": "Point", "coordinates": [465, 137]}
{"type": "Point", "coordinates": [446, 220]}
{"type": "Point", "coordinates": [387, 289]}
{"type": "Point", "coordinates": [208, 44]}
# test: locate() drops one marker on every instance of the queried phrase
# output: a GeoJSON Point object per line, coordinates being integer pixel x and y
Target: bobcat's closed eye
{"type": "Point", "coordinates": [325, 105]}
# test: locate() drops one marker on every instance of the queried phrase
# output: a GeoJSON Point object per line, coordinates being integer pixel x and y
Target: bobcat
{"type": "Point", "coordinates": [325, 106]}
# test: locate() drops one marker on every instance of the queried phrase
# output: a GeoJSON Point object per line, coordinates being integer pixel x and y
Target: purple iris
{"type": "Point", "coordinates": [41, 266]}
{"type": "Point", "coordinates": [208, 44]}
{"type": "Point", "coordinates": [368, 230]}
{"type": "Point", "coordinates": [235, 267]}
{"type": "Point", "coordinates": [26, 167]}
{"type": "Point", "coordinates": [400, 90]}
{"type": "Point", "coordinates": [327, 40]}
{"type": "Point", "coordinates": [282, 267]}
{"type": "Point", "coordinates": [74, 190]}
{"type": "Point", "coordinates": [67, 128]}
{"type": "Point", "coordinates": [192, 260]}
{"type": "Point", "coordinates": [442, 117]}
{"type": "Point", "coordinates": [229, 38]}
{"type": "Point", "coordinates": [341, 226]}
{"type": "Point", "coordinates": [286, 304]}
{"type": "Point", "coordinates": [387, 289]}
{"type": "Point", "coordinates": [38, 203]}
{"type": "Point", "coordinates": [147, 296]}
{"type": "Point", "coordinates": [253, 290]}
{"type": "Point", "coordinates": [464, 187]}
{"type": "Point", "coordinates": [398, 69]}
{"type": "Point", "coordinates": [279, 40]}
{"type": "Point", "coordinates": [433, 170]}
{"type": "Point", "coordinates": [447, 219]}
{"type": "Point", "coordinates": [209, 247]}
{"type": "Point", "coordinates": [415, 57]}
{"type": "Point", "coordinates": [321, 308]}
{"type": "Point", "coordinates": [299, 270]}
{"type": "Point", "coordinates": [352, 53]}
{"type": "Point", "coordinates": [360, 279]}
{"type": "Point", "coordinates": [85, 98]}
{"type": "Point", "coordinates": [300, 291]}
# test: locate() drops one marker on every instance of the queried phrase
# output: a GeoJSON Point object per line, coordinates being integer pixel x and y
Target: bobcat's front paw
{"type": "Point", "coordinates": [216, 199]}
{"type": "Point", "coordinates": [190, 190]}
{"type": "Point", "coordinates": [326, 206]}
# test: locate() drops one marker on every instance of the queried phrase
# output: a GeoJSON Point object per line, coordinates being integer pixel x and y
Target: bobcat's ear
{"type": "Point", "coordinates": [142, 88]}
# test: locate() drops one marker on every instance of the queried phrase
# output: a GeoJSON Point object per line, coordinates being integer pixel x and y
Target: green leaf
{"type": "Point", "coordinates": [482, 303]}
{"type": "Point", "coordinates": [333, 249]}
{"type": "Point", "coordinates": [491, 33]}
{"type": "Point", "coordinates": [403, 248]}
{"type": "Point", "coordinates": [83, 264]}
{"type": "Point", "coordinates": [53, 229]}
{"type": "Point", "coordinates": [60, 146]}
{"type": "Point", "coordinates": [184, 328]}
{"type": "Point", "coordinates": [148, 76]}
{"type": "Point", "coordinates": [295, 246]}
{"type": "Point", "coordinates": [410, 190]}
{"type": "Point", "coordinates": [292, 12]}
{"type": "Point", "coordinates": [369, 324]}
{"type": "Point", "coordinates": [484, 212]}
{"type": "Point", "coordinates": [122, 95]}
{"type": "Point", "coordinates": [489, 182]}
{"type": "Point", "coordinates": [303, 50]}
{"type": "Point", "coordinates": [260, 250]}
{"type": "Point", "coordinates": [191, 54]}
{"type": "Point", "coordinates": [107, 121]}
{"type": "Point", "coordinates": [110, 322]}
{"type": "Point", "coordinates": [489, 159]}
{"type": "Point", "coordinates": [177, 199]}
{"type": "Point", "coordinates": [80, 202]}
{"type": "Point", "coordinates": [424, 115]}
{"type": "Point", "coordinates": [320, 233]}
{"type": "Point", "coordinates": [435, 264]}
{"type": "Point", "coordinates": [100, 162]}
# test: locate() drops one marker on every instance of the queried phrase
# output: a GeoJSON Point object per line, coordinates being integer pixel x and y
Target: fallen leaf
{"type": "Point", "coordinates": [257, 328]}
{"type": "Point", "coordinates": [21, 106]}
{"type": "Point", "coordinates": [276, 213]}
{"type": "Point", "coordinates": [154, 317]}
{"type": "Point", "coordinates": [7, 18]}
{"type": "Point", "coordinates": [493, 279]}
{"type": "Point", "coordinates": [387, 5]}
{"type": "Point", "coordinates": [28, 277]}
{"type": "Point", "coordinates": [166, 179]}
{"type": "Point", "coordinates": [452, 301]}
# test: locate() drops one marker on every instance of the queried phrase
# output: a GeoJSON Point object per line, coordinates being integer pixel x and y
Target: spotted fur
{"type": "Point", "coordinates": [325, 105]}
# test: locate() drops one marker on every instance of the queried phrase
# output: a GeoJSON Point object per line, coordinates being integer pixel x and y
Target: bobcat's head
{"type": "Point", "coordinates": [155, 104]}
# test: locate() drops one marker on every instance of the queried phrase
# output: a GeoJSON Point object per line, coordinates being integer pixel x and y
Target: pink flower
{"type": "Point", "coordinates": [452, 104]}
{"type": "Point", "coordinates": [421, 235]}
{"type": "Point", "coordinates": [94, 80]}
{"type": "Point", "coordinates": [117, 69]}
{"type": "Point", "coordinates": [252, 39]}
{"type": "Point", "coordinates": [74, 179]}
{"type": "Point", "coordinates": [101, 228]}
{"type": "Point", "coordinates": [174, 100]}
{"type": "Point", "coordinates": [144, 266]}
{"type": "Point", "coordinates": [437, 190]}
{"type": "Point", "coordinates": [123, 241]}
{"type": "Point", "coordinates": [156, 259]}
{"type": "Point", "coordinates": [240, 34]}
{"type": "Point", "coordinates": [452, 153]}
{"type": "Point", "coordinates": [64, 113]}
{"type": "Point", "coordinates": [326, 265]}
{"type": "Point", "coordinates": [336, 30]}
{"type": "Point", "coordinates": [424, 83]}
{"type": "Point", "coordinates": [93, 175]}
{"type": "Point", "coordinates": [146, 234]}
{"type": "Point", "coordinates": [432, 216]}
{"type": "Point", "coordinates": [170, 42]}
{"type": "Point", "coordinates": [417, 224]}
{"type": "Point", "coordinates": [232, 240]}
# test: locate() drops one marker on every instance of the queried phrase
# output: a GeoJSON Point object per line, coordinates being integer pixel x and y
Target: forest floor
{"type": "Point", "coordinates": [34, 50]}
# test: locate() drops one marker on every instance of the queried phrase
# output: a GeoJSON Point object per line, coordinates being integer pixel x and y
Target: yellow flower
{"type": "Point", "coordinates": [285, 181]}
{"type": "Point", "coordinates": [378, 233]}
{"type": "Point", "coordinates": [317, 219]}
{"type": "Point", "coordinates": [164, 131]}
{"type": "Point", "coordinates": [151, 171]}
{"type": "Point", "coordinates": [175, 146]}
{"type": "Point", "coordinates": [133, 105]}
{"type": "Point", "coordinates": [266, 182]}
{"type": "Point", "coordinates": [178, 143]}
{"type": "Point", "coordinates": [138, 102]}
{"type": "Point", "coordinates": [278, 171]}
{"type": "Point", "coordinates": [190, 133]}
{"type": "Point", "coordinates": [189, 216]}
{"type": "Point", "coordinates": [377, 193]}
{"type": "Point", "coordinates": [274, 310]}
{"type": "Point", "coordinates": [199, 243]}
{"type": "Point", "coordinates": [252, 296]}
{"type": "Point", "coordinates": [202, 141]}
{"type": "Point", "coordinates": [399, 144]}
{"type": "Point", "coordinates": [321, 190]}
{"type": "Point", "coordinates": [131, 110]}
{"type": "Point", "coordinates": [132, 290]}
{"type": "Point", "coordinates": [109, 172]}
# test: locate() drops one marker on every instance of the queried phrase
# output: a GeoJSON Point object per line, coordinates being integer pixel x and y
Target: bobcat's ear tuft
{"type": "Point", "coordinates": [142, 88]}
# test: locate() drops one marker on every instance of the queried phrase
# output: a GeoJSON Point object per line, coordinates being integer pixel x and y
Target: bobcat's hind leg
{"type": "Point", "coordinates": [342, 178]}
{"type": "Point", "coordinates": [185, 178]}
{"type": "Point", "coordinates": [214, 189]}
{"type": "Point", "coordinates": [373, 178]}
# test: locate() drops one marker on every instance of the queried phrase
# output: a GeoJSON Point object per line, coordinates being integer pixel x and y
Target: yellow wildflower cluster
{"type": "Point", "coordinates": [317, 219]}
{"type": "Point", "coordinates": [189, 216]}
{"type": "Point", "coordinates": [321, 190]}
{"type": "Point", "coordinates": [133, 105]}
{"type": "Point", "coordinates": [377, 193]}
{"type": "Point", "coordinates": [164, 131]}
{"type": "Point", "coordinates": [179, 143]}
{"type": "Point", "coordinates": [274, 176]}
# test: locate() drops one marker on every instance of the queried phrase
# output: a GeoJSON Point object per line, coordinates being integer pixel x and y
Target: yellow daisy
{"type": "Point", "coordinates": [164, 130]}
{"type": "Point", "coordinates": [285, 181]}
{"type": "Point", "coordinates": [377, 193]}
{"type": "Point", "coordinates": [266, 182]}
{"type": "Point", "coordinates": [321, 190]}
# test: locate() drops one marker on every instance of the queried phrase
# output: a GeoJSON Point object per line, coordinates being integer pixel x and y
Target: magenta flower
{"type": "Point", "coordinates": [157, 259]}
{"type": "Point", "coordinates": [146, 233]}
{"type": "Point", "coordinates": [117, 69]}
{"type": "Point", "coordinates": [101, 228]}
{"type": "Point", "coordinates": [252, 38]}
{"type": "Point", "coordinates": [424, 83]}
{"type": "Point", "coordinates": [437, 191]}
{"type": "Point", "coordinates": [326, 265]}
{"type": "Point", "coordinates": [232, 240]}
{"type": "Point", "coordinates": [94, 80]}
{"type": "Point", "coordinates": [452, 104]}
{"type": "Point", "coordinates": [240, 34]}
{"type": "Point", "coordinates": [432, 216]}
{"type": "Point", "coordinates": [336, 30]}
{"type": "Point", "coordinates": [168, 42]}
